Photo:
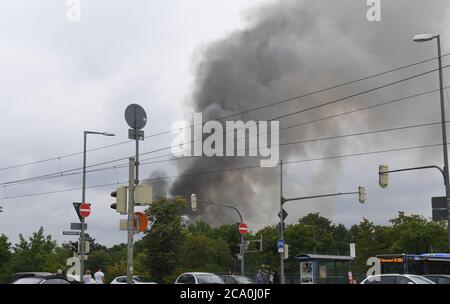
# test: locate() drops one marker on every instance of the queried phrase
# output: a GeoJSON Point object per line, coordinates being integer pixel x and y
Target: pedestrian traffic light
{"type": "Point", "coordinates": [383, 176]}
{"type": "Point", "coordinates": [362, 194]}
{"type": "Point", "coordinates": [121, 200]}
{"type": "Point", "coordinates": [194, 202]}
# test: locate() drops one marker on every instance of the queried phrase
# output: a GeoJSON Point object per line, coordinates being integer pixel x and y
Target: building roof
{"type": "Point", "coordinates": [323, 257]}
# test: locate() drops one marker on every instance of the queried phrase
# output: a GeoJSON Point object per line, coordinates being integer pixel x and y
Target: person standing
{"type": "Point", "coordinates": [87, 278]}
{"type": "Point", "coordinates": [99, 276]}
{"type": "Point", "coordinates": [259, 277]}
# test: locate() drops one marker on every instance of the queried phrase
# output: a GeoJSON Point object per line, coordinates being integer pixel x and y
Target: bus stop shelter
{"type": "Point", "coordinates": [324, 269]}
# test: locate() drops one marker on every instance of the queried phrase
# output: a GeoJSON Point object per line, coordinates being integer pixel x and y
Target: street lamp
{"type": "Point", "coordinates": [424, 38]}
{"type": "Point", "coordinates": [194, 206]}
{"type": "Point", "coordinates": [83, 198]}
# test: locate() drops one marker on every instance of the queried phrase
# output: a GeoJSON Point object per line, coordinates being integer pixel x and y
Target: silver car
{"type": "Point", "coordinates": [136, 280]}
{"type": "Point", "coordinates": [199, 278]}
{"type": "Point", "coordinates": [396, 279]}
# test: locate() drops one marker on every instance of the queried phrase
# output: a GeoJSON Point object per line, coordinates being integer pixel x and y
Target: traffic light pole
{"type": "Point", "coordinates": [285, 200]}
{"type": "Point", "coordinates": [282, 278]}
{"type": "Point", "coordinates": [130, 221]}
{"type": "Point", "coordinates": [242, 246]}
{"type": "Point", "coordinates": [83, 200]}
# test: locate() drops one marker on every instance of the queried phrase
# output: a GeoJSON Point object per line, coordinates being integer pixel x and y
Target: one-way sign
{"type": "Point", "coordinates": [77, 210]}
{"type": "Point", "coordinates": [71, 232]}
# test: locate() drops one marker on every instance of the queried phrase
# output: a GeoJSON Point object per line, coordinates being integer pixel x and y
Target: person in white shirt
{"type": "Point", "coordinates": [98, 276]}
{"type": "Point", "coordinates": [87, 278]}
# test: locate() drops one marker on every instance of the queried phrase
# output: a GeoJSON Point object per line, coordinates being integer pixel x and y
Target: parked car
{"type": "Point", "coordinates": [19, 275]}
{"type": "Point", "coordinates": [44, 279]}
{"type": "Point", "coordinates": [136, 280]}
{"type": "Point", "coordinates": [237, 279]}
{"type": "Point", "coordinates": [199, 278]}
{"type": "Point", "coordinates": [438, 278]}
{"type": "Point", "coordinates": [396, 279]}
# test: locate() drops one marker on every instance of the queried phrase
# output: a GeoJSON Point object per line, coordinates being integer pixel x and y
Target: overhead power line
{"type": "Point", "coordinates": [68, 172]}
{"type": "Point", "coordinates": [45, 177]}
{"type": "Point", "coordinates": [230, 170]}
{"type": "Point", "coordinates": [233, 114]}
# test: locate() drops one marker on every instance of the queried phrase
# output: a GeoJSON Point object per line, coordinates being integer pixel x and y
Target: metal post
{"type": "Point", "coordinates": [444, 136]}
{"type": "Point", "coordinates": [136, 181]}
{"type": "Point", "coordinates": [282, 279]}
{"type": "Point", "coordinates": [242, 255]}
{"type": "Point", "coordinates": [130, 221]}
{"type": "Point", "coordinates": [83, 198]}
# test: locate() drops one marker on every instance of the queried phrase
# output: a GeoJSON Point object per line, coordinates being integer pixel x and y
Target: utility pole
{"type": "Point", "coordinates": [282, 278]}
{"type": "Point", "coordinates": [130, 244]}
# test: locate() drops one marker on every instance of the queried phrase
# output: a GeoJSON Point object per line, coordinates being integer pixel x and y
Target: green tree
{"type": "Point", "coordinates": [163, 243]}
{"type": "Point", "coordinates": [5, 258]}
{"type": "Point", "coordinates": [416, 234]}
{"type": "Point", "coordinates": [39, 253]}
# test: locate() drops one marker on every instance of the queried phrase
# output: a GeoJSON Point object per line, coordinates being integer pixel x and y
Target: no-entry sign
{"type": "Point", "coordinates": [85, 210]}
{"type": "Point", "coordinates": [243, 229]}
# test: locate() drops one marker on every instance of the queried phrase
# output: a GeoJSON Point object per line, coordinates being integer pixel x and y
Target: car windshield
{"type": "Point", "coordinates": [209, 279]}
{"type": "Point", "coordinates": [31, 280]}
{"type": "Point", "coordinates": [243, 280]}
{"type": "Point", "coordinates": [420, 280]}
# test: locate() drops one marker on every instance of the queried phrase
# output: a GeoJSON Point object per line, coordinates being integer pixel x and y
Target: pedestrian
{"type": "Point", "coordinates": [259, 277]}
{"type": "Point", "coordinates": [271, 277]}
{"type": "Point", "coordinates": [99, 276]}
{"type": "Point", "coordinates": [87, 278]}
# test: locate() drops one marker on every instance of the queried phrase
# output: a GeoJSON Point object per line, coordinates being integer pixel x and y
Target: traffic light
{"type": "Point", "coordinates": [121, 200]}
{"type": "Point", "coordinates": [194, 202]}
{"type": "Point", "coordinates": [383, 176]}
{"type": "Point", "coordinates": [1, 209]}
{"type": "Point", "coordinates": [362, 194]}
{"type": "Point", "coordinates": [73, 246]}
{"type": "Point", "coordinates": [259, 245]}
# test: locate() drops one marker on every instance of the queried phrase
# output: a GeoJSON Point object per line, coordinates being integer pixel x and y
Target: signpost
{"type": "Point", "coordinates": [136, 119]}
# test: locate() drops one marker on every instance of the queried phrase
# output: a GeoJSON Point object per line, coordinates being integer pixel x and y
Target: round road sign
{"type": "Point", "coordinates": [85, 210]}
{"type": "Point", "coordinates": [243, 229]}
{"type": "Point", "coordinates": [135, 116]}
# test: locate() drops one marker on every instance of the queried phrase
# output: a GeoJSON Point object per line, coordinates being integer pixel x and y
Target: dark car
{"type": "Point", "coordinates": [438, 278]}
{"type": "Point", "coordinates": [43, 279]}
{"type": "Point", "coordinates": [237, 279]}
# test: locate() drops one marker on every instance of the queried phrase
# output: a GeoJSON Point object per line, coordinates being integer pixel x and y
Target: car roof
{"type": "Point", "coordinates": [195, 273]}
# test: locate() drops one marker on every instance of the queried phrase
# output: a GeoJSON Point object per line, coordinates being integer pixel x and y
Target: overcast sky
{"type": "Point", "coordinates": [59, 78]}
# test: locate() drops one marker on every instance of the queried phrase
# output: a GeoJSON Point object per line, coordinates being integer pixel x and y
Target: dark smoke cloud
{"type": "Point", "coordinates": [293, 47]}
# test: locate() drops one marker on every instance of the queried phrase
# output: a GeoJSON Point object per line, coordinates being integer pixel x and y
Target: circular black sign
{"type": "Point", "coordinates": [135, 116]}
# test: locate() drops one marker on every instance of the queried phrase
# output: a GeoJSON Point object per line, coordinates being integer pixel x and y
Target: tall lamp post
{"type": "Point", "coordinates": [195, 201]}
{"type": "Point", "coordinates": [83, 199]}
{"type": "Point", "coordinates": [425, 38]}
